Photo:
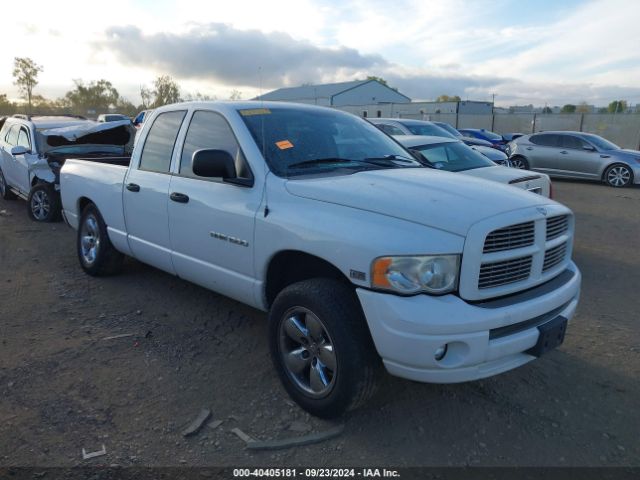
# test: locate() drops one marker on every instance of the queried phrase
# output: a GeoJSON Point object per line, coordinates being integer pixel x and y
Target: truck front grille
{"type": "Point", "coordinates": [556, 226]}
{"type": "Point", "coordinates": [554, 256]}
{"type": "Point", "coordinates": [504, 272]}
{"type": "Point", "coordinates": [508, 238]}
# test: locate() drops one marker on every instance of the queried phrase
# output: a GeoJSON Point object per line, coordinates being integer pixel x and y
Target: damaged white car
{"type": "Point", "coordinates": [34, 148]}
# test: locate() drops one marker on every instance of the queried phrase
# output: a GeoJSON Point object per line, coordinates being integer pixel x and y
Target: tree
{"type": "Point", "coordinates": [235, 95]}
{"type": "Point", "coordinates": [98, 96]}
{"type": "Point", "coordinates": [6, 107]}
{"type": "Point", "coordinates": [25, 72]}
{"type": "Point", "coordinates": [617, 106]}
{"type": "Point", "coordinates": [547, 110]}
{"type": "Point", "coordinates": [568, 108]}
{"type": "Point", "coordinates": [447, 98]}
{"type": "Point", "coordinates": [166, 91]}
{"type": "Point", "coordinates": [603, 110]}
{"type": "Point", "coordinates": [198, 97]}
{"type": "Point", "coordinates": [583, 108]}
{"type": "Point", "coordinates": [147, 96]}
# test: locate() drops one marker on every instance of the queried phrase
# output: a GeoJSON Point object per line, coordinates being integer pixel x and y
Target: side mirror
{"type": "Point", "coordinates": [213, 163]}
{"type": "Point", "coordinates": [19, 150]}
{"type": "Point", "coordinates": [589, 148]}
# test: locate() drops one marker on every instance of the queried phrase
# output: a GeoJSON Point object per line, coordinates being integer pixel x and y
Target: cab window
{"type": "Point", "coordinates": [209, 130]}
{"type": "Point", "coordinates": [12, 136]}
{"type": "Point", "coordinates": [158, 146]}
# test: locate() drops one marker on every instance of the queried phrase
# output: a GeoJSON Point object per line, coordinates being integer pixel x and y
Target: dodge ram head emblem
{"type": "Point", "coordinates": [542, 210]}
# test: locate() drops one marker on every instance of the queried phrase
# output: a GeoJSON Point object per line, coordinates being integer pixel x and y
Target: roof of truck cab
{"type": "Point", "coordinates": [46, 122]}
{"type": "Point", "coordinates": [230, 105]}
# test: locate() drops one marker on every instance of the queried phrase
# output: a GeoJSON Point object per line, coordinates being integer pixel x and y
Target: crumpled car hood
{"type": "Point", "coordinates": [121, 133]}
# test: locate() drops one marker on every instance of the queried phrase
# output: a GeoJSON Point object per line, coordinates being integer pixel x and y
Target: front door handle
{"type": "Point", "coordinates": [529, 148]}
{"type": "Point", "coordinates": [564, 152]}
{"type": "Point", "coordinates": [133, 187]}
{"type": "Point", "coordinates": [179, 197]}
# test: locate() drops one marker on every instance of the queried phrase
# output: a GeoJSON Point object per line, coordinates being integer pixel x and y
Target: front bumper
{"type": "Point", "coordinates": [407, 331]}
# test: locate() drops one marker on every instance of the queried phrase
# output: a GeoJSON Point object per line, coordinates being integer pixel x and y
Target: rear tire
{"type": "Point", "coordinates": [97, 255]}
{"type": "Point", "coordinates": [321, 347]}
{"type": "Point", "coordinates": [43, 203]}
{"type": "Point", "coordinates": [618, 176]}
{"type": "Point", "coordinates": [519, 162]}
{"type": "Point", "coordinates": [5, 193]}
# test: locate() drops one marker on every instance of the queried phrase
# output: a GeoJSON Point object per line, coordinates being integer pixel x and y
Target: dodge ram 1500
{"type": "Point", "coordinates": [362, 256]}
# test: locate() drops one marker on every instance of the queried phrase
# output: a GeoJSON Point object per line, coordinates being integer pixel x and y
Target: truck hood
{"type": "Point", "coordinates": [504, 174]}
{"type": "Point", "coordinates": [121, 133]}
{"type": "Point", "coordinates": [447, 201]}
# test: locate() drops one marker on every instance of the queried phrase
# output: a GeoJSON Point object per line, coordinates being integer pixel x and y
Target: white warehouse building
{"type": "Point", "coordinates": [358, 92]}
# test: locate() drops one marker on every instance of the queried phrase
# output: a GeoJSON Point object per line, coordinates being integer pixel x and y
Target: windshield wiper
{"type": "Point", "coordinates": [389, 158]}
{"type": "Point", "coordinates": [320, 161]}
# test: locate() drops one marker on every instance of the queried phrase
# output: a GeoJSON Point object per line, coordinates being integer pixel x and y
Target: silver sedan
{"type": "Point", "coordinates": [576, 155]}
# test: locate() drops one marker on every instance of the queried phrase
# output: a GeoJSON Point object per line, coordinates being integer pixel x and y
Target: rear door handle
{"type": "Point", "coordinates": [564, 152]}
{"type": "Point", "coordinates": [179, 197]}
{"type": "Point", "coordinates": [133, 187]}
{"type": "Point", "coordinates": [529, 148]}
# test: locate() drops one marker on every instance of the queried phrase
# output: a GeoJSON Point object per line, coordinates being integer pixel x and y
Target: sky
{"type": "Point", "coordinates": [539, 52]}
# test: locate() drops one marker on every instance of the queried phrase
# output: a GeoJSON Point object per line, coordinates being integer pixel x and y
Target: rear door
{"type": "Point", "coordinates": [212, 222]}
{"type": "Point", "coordinates": [146, 192]}
{"type": "Point", "coordinates": [543, 152]}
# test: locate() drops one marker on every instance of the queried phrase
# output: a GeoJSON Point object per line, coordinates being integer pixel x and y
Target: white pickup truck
{"type": "Point", "coordinates": [358, 252]}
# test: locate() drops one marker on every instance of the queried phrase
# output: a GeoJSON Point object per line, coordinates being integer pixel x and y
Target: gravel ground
{"type": "Point", "coordinates": [64, 386]}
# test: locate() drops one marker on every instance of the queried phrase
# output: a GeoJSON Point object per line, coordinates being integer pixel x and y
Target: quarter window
{"type": "Point", "coordinates": [390, 129]}
{"type": "Point", "coordinates": [158, 147]}
{"type": "Point", "coordinates": [209, 130]}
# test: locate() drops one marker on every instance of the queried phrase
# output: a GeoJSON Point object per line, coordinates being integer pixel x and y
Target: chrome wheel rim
{"type": "Point", "coordinates": [307, 352]}
{"type": "Point", "coordinates": [517, 163]}
{"type": "Point", "coordinates": [89, 240]}
{"type": "Point", "coordinates": [618, 176]}
{"type": "Point", "coordinates": [40, 205]}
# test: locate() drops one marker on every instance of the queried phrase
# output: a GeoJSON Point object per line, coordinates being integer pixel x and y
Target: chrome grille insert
{"type": "Point", "coordinates": [508, 238]}
{"type": "Point", "coordinates": [554, 256]}
{"type": "Point", "coordinates": [556, 226]}
{"type": "Point", "coordinates": [502, 273]}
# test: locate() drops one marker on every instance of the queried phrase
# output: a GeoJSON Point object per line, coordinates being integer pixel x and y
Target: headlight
{"type": "Point", "coordinates": [436, 274]}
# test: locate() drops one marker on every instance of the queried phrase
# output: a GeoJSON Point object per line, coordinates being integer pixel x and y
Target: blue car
{"type": "Point", "coordinates": [496, 140]}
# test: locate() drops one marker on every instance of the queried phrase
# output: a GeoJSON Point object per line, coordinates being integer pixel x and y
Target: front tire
{"type": "Point", "coordinates": [5, 193]}
{"type": "Point", "coordinates": [519, 162]}
{"type": "Point", "coordinates": [618, 176]}
{"type": "Point", "coordinates": [43, 204]}
{"type": "Point", "coordinates": [321, 347]}
{"type": "Point", "coordinates": [97, 255]}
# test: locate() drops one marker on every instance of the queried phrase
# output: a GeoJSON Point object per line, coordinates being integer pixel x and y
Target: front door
{"type": "Point", "coordinates": [211, 221]}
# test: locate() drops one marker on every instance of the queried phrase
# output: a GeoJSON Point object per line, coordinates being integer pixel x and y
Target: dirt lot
{"type": "Point", "coordinates": [64, 387]}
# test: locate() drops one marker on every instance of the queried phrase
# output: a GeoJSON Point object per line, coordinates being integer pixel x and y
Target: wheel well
{"type": "Point", "coordinates": [291, 266]}
{"type": "Point", "coordinates": [82, 203]}
{"type": "Point", "coordinates": [604, 172]}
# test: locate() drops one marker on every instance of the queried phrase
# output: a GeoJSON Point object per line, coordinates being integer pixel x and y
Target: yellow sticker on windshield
{"type": "Point", "coordinates": [284, 144]}
{"type": "Point", "coordinates": [255, 111]}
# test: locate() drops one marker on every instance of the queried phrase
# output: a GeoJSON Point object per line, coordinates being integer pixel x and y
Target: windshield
{"type": "Point", "coordinates": [600, 143]}
{"type": "Point", "coordinates": [297, 141]}
{"type": "Point", "coordinates": [428, 129]}
{"type": "Point", "coordinates": [453, 156]}
{"type": "Point", "coordinates": [450, 129]}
